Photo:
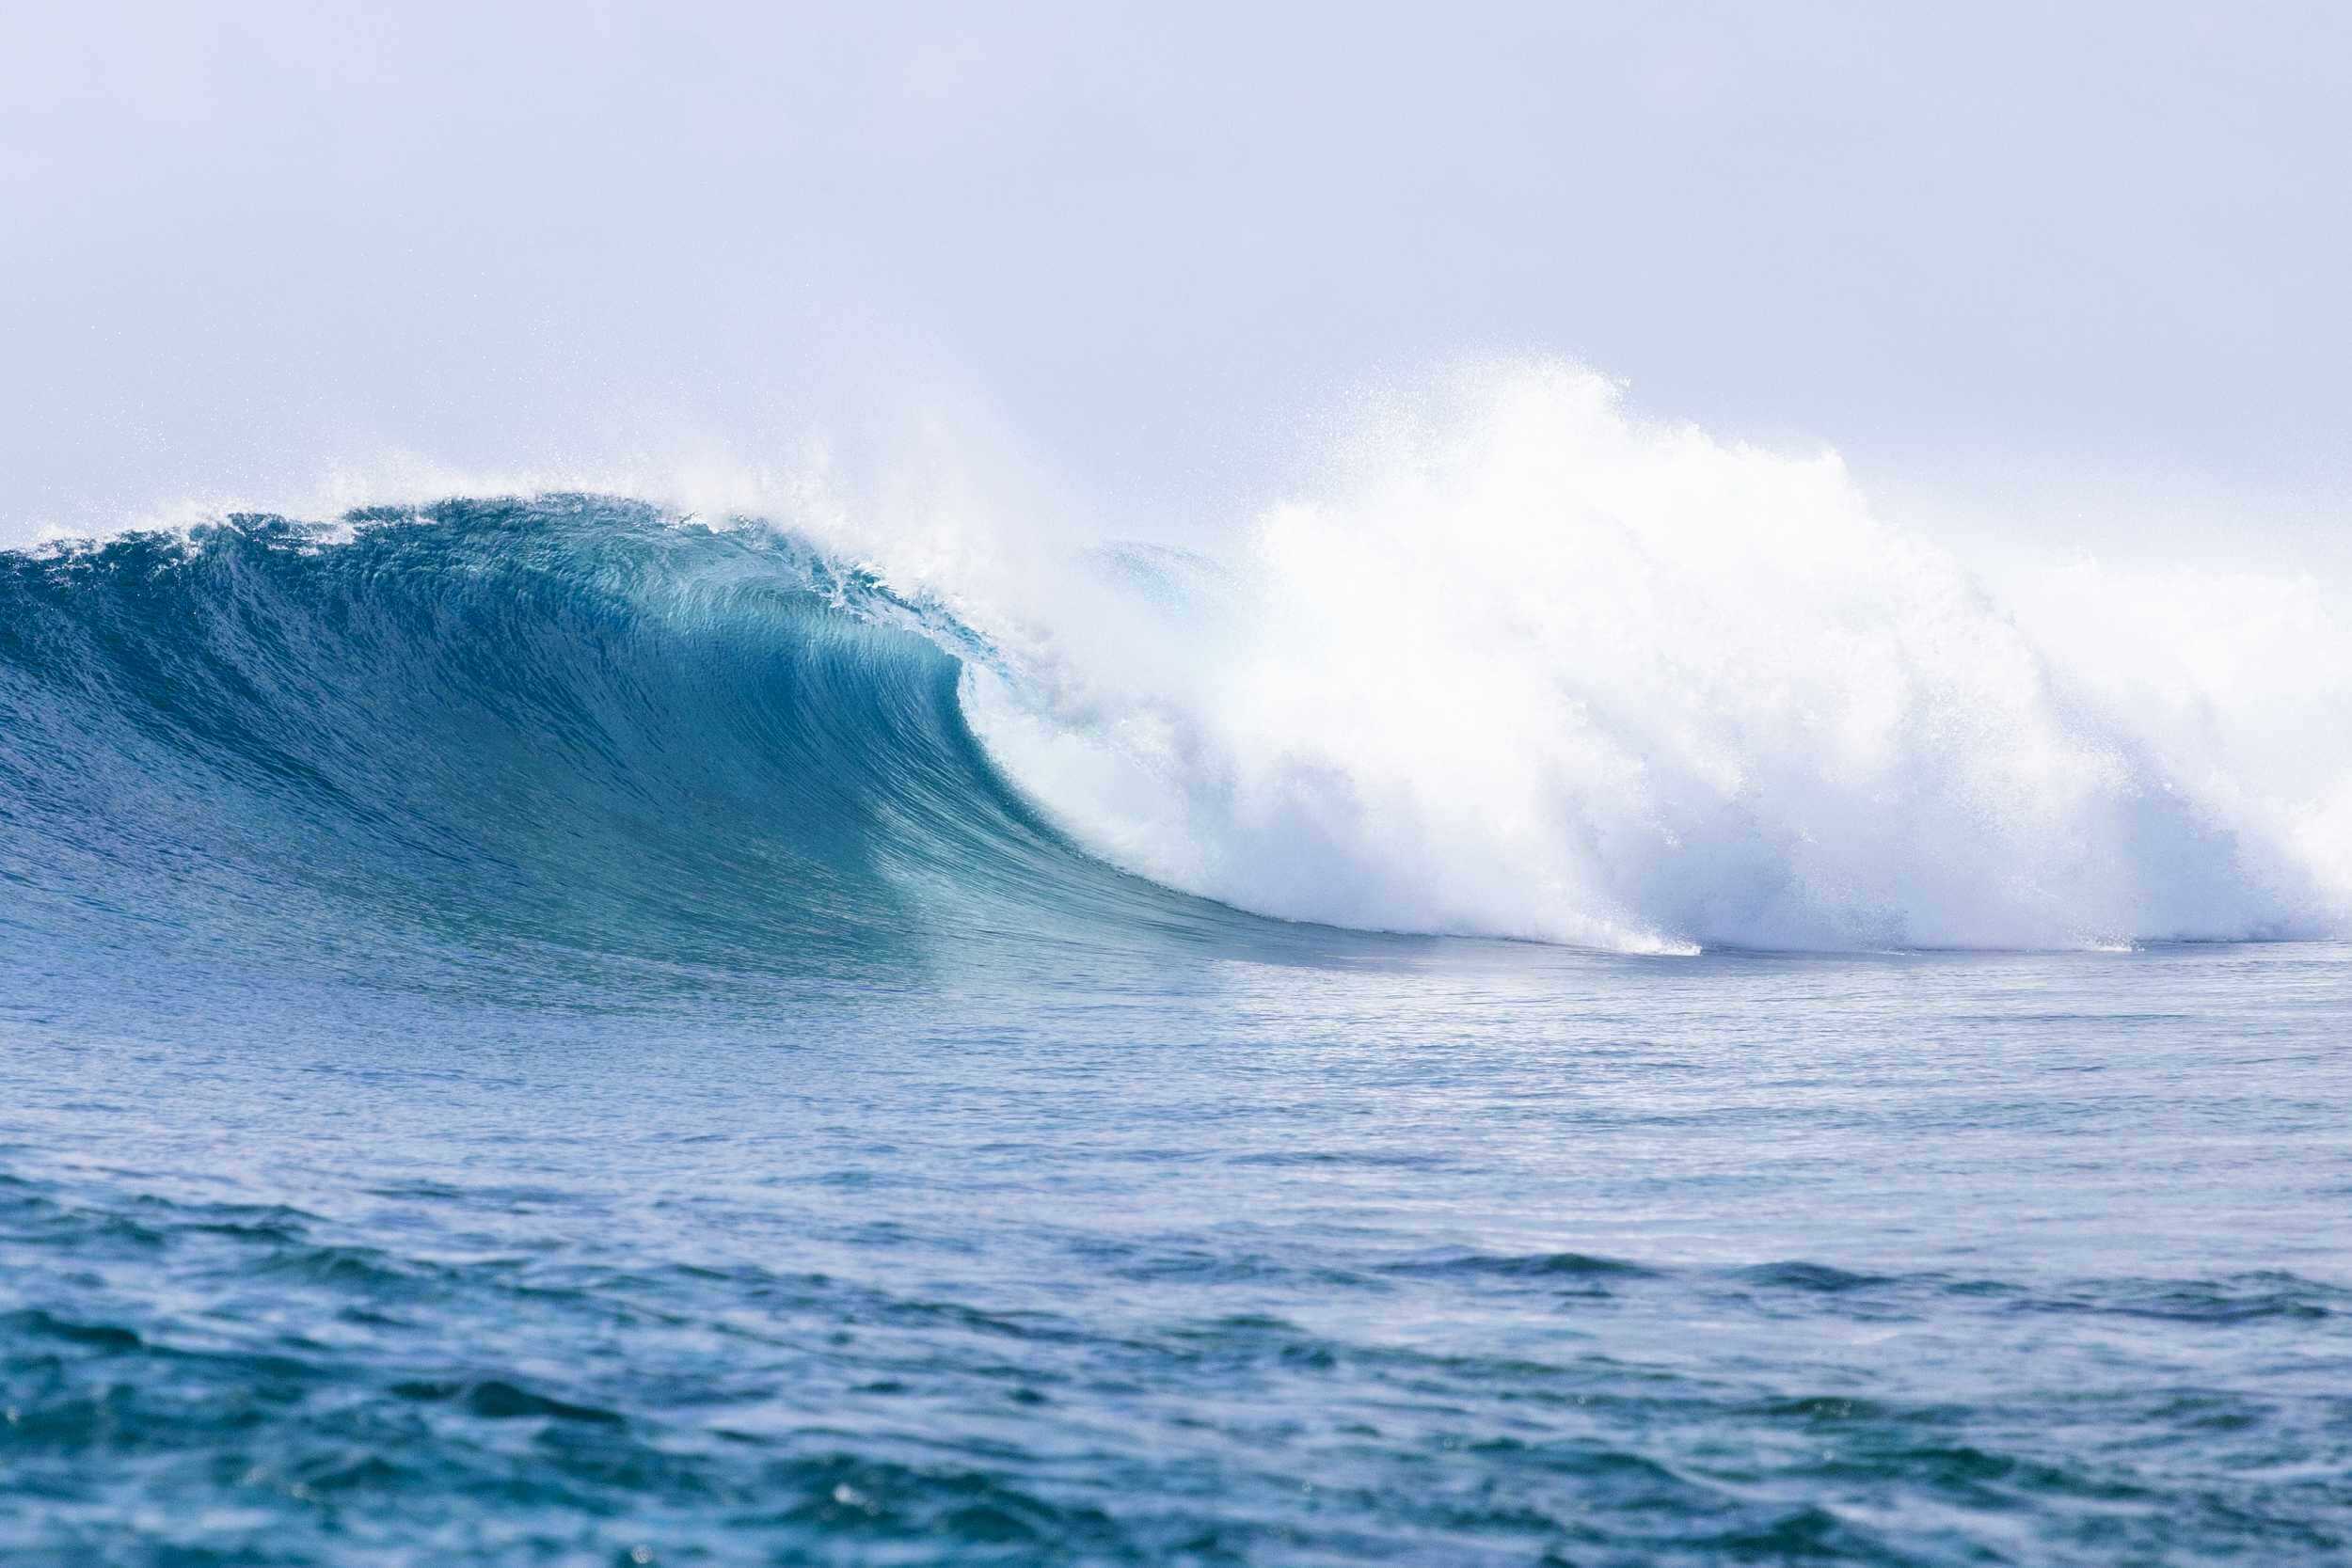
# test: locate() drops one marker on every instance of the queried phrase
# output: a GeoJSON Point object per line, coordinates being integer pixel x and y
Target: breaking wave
{"type": "Point", "coordinates": [1519, 665]}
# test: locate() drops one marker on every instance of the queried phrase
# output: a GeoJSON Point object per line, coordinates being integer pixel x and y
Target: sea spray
{"type": "Point", "coordinates": [1522, 664]}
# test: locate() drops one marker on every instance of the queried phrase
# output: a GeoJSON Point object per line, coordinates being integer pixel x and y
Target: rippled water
{"type": "Point", "coordinates": [1416, 1252]}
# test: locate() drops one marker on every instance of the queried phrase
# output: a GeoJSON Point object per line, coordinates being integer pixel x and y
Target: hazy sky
{"type": "Point", "coordinates": [2082, 244]}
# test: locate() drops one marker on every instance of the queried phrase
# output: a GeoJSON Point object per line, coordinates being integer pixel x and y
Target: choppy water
{"type": "Point", "coordinates": [536, 1035]}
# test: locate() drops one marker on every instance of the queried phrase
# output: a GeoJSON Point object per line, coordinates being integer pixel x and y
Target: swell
{"type": "Point", "coordinates": [510, 740]}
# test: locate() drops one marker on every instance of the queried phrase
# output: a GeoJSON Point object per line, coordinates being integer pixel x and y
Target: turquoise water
{"type": "Point", "coordinates": [537, 1035]}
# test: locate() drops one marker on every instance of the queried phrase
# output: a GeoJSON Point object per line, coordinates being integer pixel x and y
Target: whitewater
{"type": "Point", "coordinates": [1561, 990]}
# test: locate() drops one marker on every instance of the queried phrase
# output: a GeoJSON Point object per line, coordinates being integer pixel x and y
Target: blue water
{"type": "Point", "coordinates": [532, 1033]}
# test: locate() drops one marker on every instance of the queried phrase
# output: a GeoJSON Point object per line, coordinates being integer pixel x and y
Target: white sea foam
{"type": "Point", "coordinates": [1526, 666]}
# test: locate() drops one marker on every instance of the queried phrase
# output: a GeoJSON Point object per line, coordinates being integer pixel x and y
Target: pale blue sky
{"type": "Point", "coordinates": [2082, 244]}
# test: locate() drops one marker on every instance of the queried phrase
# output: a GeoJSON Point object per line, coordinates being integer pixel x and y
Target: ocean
{"type": "Point", "coordinates": [558, 1030]}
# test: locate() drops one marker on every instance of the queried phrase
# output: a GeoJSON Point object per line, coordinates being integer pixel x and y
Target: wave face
{"type": "Point", "coordinates": [472, 743]}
